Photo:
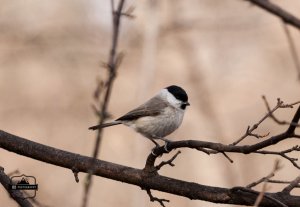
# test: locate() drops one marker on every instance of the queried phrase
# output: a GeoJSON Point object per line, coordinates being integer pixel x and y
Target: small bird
{"type": "Point", "coordinates": [158, 117]}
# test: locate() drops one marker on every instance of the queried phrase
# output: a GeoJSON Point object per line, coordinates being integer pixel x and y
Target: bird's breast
{"type": "Point", "coordinates": [159, 126]}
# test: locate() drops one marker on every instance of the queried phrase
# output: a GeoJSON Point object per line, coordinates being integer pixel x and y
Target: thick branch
{"type": "Point", "coordinates": [136, 176]}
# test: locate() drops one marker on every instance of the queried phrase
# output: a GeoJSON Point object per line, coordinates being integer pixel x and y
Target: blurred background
{"type": "Point", "coordinates": [225, 54]}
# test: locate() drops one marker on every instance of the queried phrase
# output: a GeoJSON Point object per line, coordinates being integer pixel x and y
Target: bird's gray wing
{"type": "Point", "coordinates": [153, 107]}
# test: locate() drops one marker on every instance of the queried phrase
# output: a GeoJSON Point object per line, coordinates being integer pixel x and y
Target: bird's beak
{"type": "Point", "coordinates": [187, 103]}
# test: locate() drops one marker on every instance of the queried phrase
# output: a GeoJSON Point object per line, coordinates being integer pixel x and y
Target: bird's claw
{"type": "Point", "coordinates": [166, 146]}
{"type": "Point", "coordinates": [152, 151]}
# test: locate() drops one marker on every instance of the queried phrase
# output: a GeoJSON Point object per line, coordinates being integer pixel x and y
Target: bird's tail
{"type": "Point", "coordinates": [104, 125]}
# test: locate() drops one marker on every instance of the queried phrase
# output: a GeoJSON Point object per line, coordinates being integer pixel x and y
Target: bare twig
{"type": "Point", "coordinates": [283, 154]}
{"type": "Point", "coordinates": [112, 65]}
{"type": "Point", "coordinates": [15, 194]}
{"type": "Point", "coordinates": [208, 152]}
{"type": "Point", "coordinates": [227, 157]}
{"type": "Point", "coordinates": [129, 12]}
{"type": "Point", "coordinates": [265, 179]}
{"type": "Point", "coordinates": [75, 172]}
{"type": "Point", "coordinates": [282, 182]}
{"type": "Point", "coordinates": [249, 130]}
{"type": "Point", "coordinates": [261, 195]}
{"type": "Point", "coordinates": [255, 148]}
{"type": "Point", "coordinates": [272, 116]}
{"type": "Point", "coordinates": [99, 88]}
{"type": "Point", "coordinates": [153, 199]}
{"type": "Point", "coordinates": [291, 186]}
{"type": "Point", "coordinates": [292, 47]}
{"type": "Point", "coordinates": [277, 11]}
{"type": "Point", "coordinates": [168, 162]}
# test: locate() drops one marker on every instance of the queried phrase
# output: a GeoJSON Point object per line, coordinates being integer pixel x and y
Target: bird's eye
{"type": "Point", "coordinates": [184, 105]}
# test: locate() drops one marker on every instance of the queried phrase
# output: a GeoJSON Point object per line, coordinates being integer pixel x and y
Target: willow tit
{"type": "Point", "coordinates": [158, 117]}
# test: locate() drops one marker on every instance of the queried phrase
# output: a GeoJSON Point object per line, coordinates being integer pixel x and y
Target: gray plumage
{"type": "Point", "coordinates": [156, 118]}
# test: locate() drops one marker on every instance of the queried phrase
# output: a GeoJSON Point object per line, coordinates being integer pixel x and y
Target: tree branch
{"type": "Point", "coordinates": [249, 130]}
{"type": "Point", "coordinates": [114, 61]}
{"type": "Point", "coordinates": [159, 200]}
{"type": "Point", "coordinates": [148, 178]}
{"type": "Point", "coordinates": [292, 185]}
{"type": "Point", "coordinates": [292, 48]}
{"type": "Point", "coordinates": [168, 162]}
{"type": "Point", "coordinates": [218, 147]}
{"type": "Point", "coordinates": [265, 179]}
{"type": "Point", "coordinates": [277, 11]}
{"type": "Point", "coordinates": [15, 194]}
{"type": "Point", "coordinates": [283, 154]}
{"type": "Point", "coordinates": [138, 177]}
{"type": "Point", "coordinates": [272, 116]}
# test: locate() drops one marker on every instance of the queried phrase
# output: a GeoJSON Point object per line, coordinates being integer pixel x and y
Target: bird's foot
{"type": "Point", "coordinates": [152, 151]}
{"type": "Point", "coordinates": [166, 146]}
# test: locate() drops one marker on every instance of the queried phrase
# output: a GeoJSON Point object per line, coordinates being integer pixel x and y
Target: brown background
{"type": "Point", "coordinates": [226, 54]}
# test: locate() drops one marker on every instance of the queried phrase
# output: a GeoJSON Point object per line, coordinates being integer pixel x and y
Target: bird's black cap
{"type": "Point", "coordinates": [178, 92]}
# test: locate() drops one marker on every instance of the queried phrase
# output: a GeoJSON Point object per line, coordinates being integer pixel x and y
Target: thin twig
{"type": "Point", "coordinates": [292, 47]}
{"type": "Point", "coordinates": [249, 130]}
{"type": "Point", "coordinates": [261, 195]}
{"type": "Point", "coordinates": [265, 179]}
{"type": "Point", "coordinates": [291, 186]}
{"type": "Point", "coordinates": [208, 152]}
{"type": "Point", "coordinates": [283, 154]}
{"type": "Point", "coordinates": [159, 200]}
{"type": "Point", "coordinates": [75, 172]}
{"type": "Point", "coordinates": [272, 116]}
{"type": "Point", "coordinates": [168, 162]}
{"type": "Point", "coordinates": [282, 182]}
{"type": "Point", "coordinates": [277, 11]}
{"type": "Point", "coordinates": [113, 63]}
{"type": "Point", "coordinates": [227, 157]}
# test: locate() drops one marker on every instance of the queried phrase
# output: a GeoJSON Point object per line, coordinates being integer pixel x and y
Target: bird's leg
{"type": "Point", "coordinates": [156, 144]}
{"type": "Point", "coordinates": [164, 139]}
{"type": "Point", "coordinates": [166, 146]}
{"type": "Point", "coordinates": [166, 143]}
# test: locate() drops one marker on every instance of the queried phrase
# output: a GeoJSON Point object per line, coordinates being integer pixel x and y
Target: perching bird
{"type": "Point", "coordinates": [158, 117]}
